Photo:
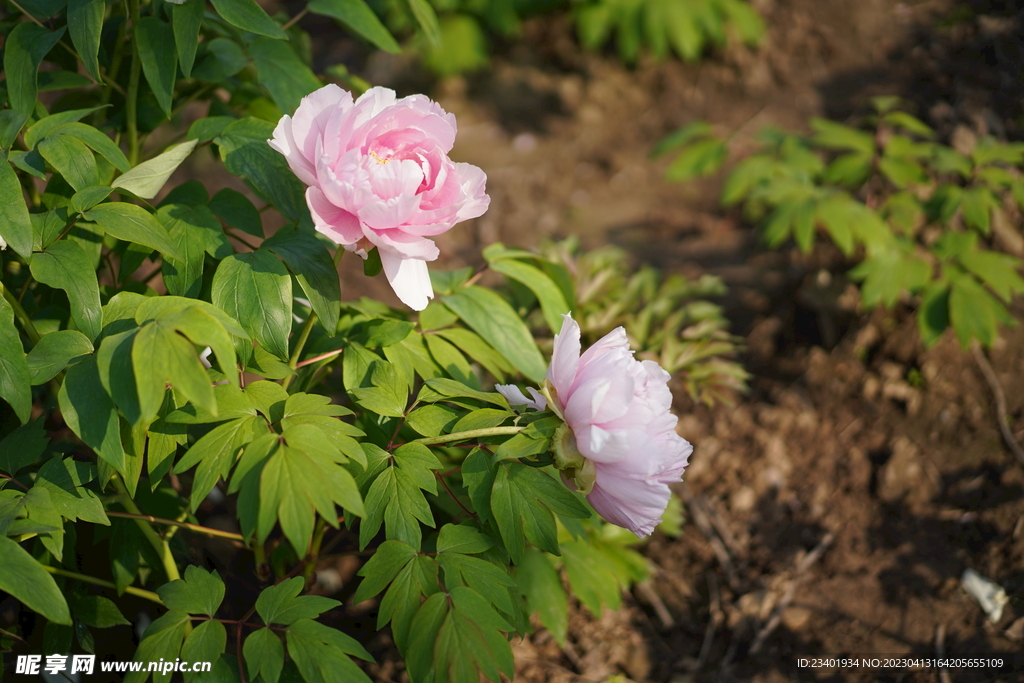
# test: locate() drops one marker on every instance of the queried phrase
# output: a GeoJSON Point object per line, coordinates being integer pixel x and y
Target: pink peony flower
{"type": "Point", "coordinates": [379, 176]}
{"type": "Point", "coordinates": [619, 441]}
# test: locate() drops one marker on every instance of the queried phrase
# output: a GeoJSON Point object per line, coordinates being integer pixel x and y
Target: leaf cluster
{"type": "Point", "coordinates": [918, 218]}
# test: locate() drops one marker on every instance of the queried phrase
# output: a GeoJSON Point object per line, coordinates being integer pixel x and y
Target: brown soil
{"type": "Point", "coordinates": [873, 464]}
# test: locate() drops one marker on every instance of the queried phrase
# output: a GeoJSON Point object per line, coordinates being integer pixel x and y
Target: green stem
{"type": "Point", "coordinates": [182, 525]}
{"type": "Point", "coordinates": [471, 434]}
{"type": "Point", "coordinates": [131, 104]}
{"type": "Point", "coordinates": [300, 344]}
{"type": "Point", "coordinates": [314, 551]}
{"type": "Point", "coordinates": [163, 549]}
{"type": "Point", "coordinates": [26, 322]}
{"type": "Point", "coordinates": [131, 590]}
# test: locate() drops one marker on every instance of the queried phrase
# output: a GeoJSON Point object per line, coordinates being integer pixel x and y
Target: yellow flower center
{"type": "Point", "coordinates": [380, 160]}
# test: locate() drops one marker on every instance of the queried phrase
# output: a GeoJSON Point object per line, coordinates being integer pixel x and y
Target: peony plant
{"type": "Point", "coordinates": [194, 418]}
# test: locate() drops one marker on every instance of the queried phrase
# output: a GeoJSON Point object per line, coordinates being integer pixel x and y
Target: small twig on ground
{"type": "Point", "coordinates": [715, 620]}
{"type": "Point", "coordinates": [698, 512]}
{"type": "Point", "coordinates": [645, 590]}
{"type": "Point", "coordinates": [773, 621]}
{"type": "Point", "coordinates": [997, 391]}
{"type": "Point", "coordinates": [940, 652]}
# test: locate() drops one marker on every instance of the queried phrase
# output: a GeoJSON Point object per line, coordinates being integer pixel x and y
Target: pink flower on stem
{"type": "Point", "coordinates": [379, 176]}
{"type": "Point", "coordinates": [618, 442]}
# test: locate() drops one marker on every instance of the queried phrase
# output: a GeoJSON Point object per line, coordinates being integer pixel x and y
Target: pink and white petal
{"type": "Point", "coordinates": [284, 142]}
{"type": "Point", "coordinates": [395, 178]}
{"type": "Point", "coordinates": [388, 214]}
{"type": "Point", "coordinates": [598, 400]}
{"type": "Point", "coordinates": [565, 358]}
{"type": "Point", "coordinates": [409, 278]}
{"type": "Point", "coordinates": [640, 519]}
{"type": "Point", "coordinates": [616, 339]}
{"type": "Point", "coordinates": [516, 397]}
{"type": "Point", "coordinates": [337, 223]}
{"type": "Point", "coordinates": [602, 446]}
{"type": "Point", "coordinates": [404, 244]}
{"type": "Point", "coordinates": [309, 123]}
{"type": "Point", "coordinates": [474, 182]}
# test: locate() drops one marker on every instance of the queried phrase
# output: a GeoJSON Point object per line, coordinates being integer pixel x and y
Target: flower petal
{"type": "Point", "coordinates": [565, 359]}
{"type": "Point", "coordinates": [409, 278]}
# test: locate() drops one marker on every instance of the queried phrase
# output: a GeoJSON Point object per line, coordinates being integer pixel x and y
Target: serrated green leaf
{"type": "Point", "coordinates": [282, 604]}
{"type": "Point", "coordinates": [199, 592]}
{"type": "Point", "coordinates": [205, 644]}
{"type": "Point", "coordinates": [382, 568]}
{"type": "Point", "coordinates": [216, 452]}
{"type": "Point", "coordinates": [539, 582]}
{"type": "Point", "coordinates": [264, 655]}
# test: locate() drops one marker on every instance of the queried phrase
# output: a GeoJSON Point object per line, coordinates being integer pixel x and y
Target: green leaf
{"type": "Point", "coordinates": [204, 644]}
{"type": "Point", "coordinates": [387, 561]}
{"type": "Point", "coordinates": [487, 579]}
{"type": "Point", "coordinates": [701, 159]}
{"type": "Point", "coordinates": [451, 360]}
{"type": "Point", "coordinates": [551, 300]}
{"type": "Point", "coordinates": [281, 604]}
{"type": "Point", "coordinates": [11, 123]}
{"type": "Point", "coordinates": [321, 653]}
{"type": "Point", "coordinates": [977, 205]}
{"type": "Point", "coordinates": [89, 412]}
{"type": "Point", "coordinates": [387, 395]}
{"type": "Point", "coordinates": [245, 152]}
{"type": "Point", "coordinates": [187, 19]}
{"type": "Point", "coordinates": [590, 576]}
{"type": "Point", "coordinates": [902, 171]}
{"type": "Point", "coordinates": [221, 58]}
{"type": "Point", "coordinates": [469, 641]}
{"type": "Point", "coordinates": [24, 48]}
{"type": "Point", "coordinates": [188, 228]}
{"type": "Point", "coordinates": [522, 501]}
{"type": "Point", "coordinates": [248, 16]}
{"type": "Point", "coordinates": [15, 224]}
{"type": "Point", "coordinates": [357, 16]}
{"type": "Point", "coordinates": [432, 420]}
{"type": "Point", "coordinates": [419, 577]}
{"type": "Point", "coordinates": [200, 592]}
{"type": "Point", "coordinates": [850, 169]}
{"type": "Point", "coordinates": [65, 481]}
{"type": "Point", "coordinates": [834, 135]}
{"type": "Point", "coordinates": [426, 18]}
{"type": "Point", "coordinates": [97, 611]}
{"type": "Point", "coordinates": [459, 538]}
{"type": "Point", "coordinates": [85, 199]}
{"type": "Point", "coordinates": [22, 447]}
{"type": "Point", "coordinates": [54, 352]}
{"type": "Point", "coordinates": [162, 356]}
{"type": "Point", "coordinates": [256, 290]}
{"type": "Point", "coordinates": [311, 264]}
{"type": "Point", "coordinates": [216, 452]}
{"type": "Point", "coordinates": [539, 582]}
{"type": "Point", "coordinates": [264, 655]}
{"type": "Point", "coordinates": [15, 378]}
{"type": "Point", "coordinates": [71, 159]}
{"type": "Point", "coordinates": [998, 271]}
{"type": "Point", "coordinates": [974, 313]}
{"type": "Point", "coordinates": [678, 138]}
{"type": "Point", "coordinates": [95, 139]}
{"type": "Point", "coordinates": [493, 318]}
{"type": "Point", "coordinates": [85, 24]}
{"type": "Point", "coordinates": [419, 658]}
{"type": "Point", "coordinates": [396, 496]}
{"type": "Point", "coordinates": [66, 266]}
{"type": "Point", "coordinates": [463, 46]}
{"type": "Point", "coordinates": [441, 388]}
{"type": "Point", "coordinates": [933, 312]}
{"type": "Point", "coordinates": [162, 640]}
{"type": "Point", "coordinates": [901, 119]}
{"type": "Point", "coordinates": [148, 178]}
{"type": "Point", "coordinates": [133, 224]}
{"type": "Point", "coordinates": [236, 210]}
{"type": "Point", "coordinates": [25, 579]}
{"type": "Point", "coordinates": [282, 73]}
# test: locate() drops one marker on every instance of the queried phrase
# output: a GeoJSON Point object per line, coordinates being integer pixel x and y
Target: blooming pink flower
{"type": "Point", "coordinates": [379, 176]}
{"type": "Point", "coordinates": [619, 441]}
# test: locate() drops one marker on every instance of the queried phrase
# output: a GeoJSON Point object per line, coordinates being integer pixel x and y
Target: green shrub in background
{"type": "Point", "coordinates": [454, 33]}
{"type": "Point", "coordinates": [914, 214]}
